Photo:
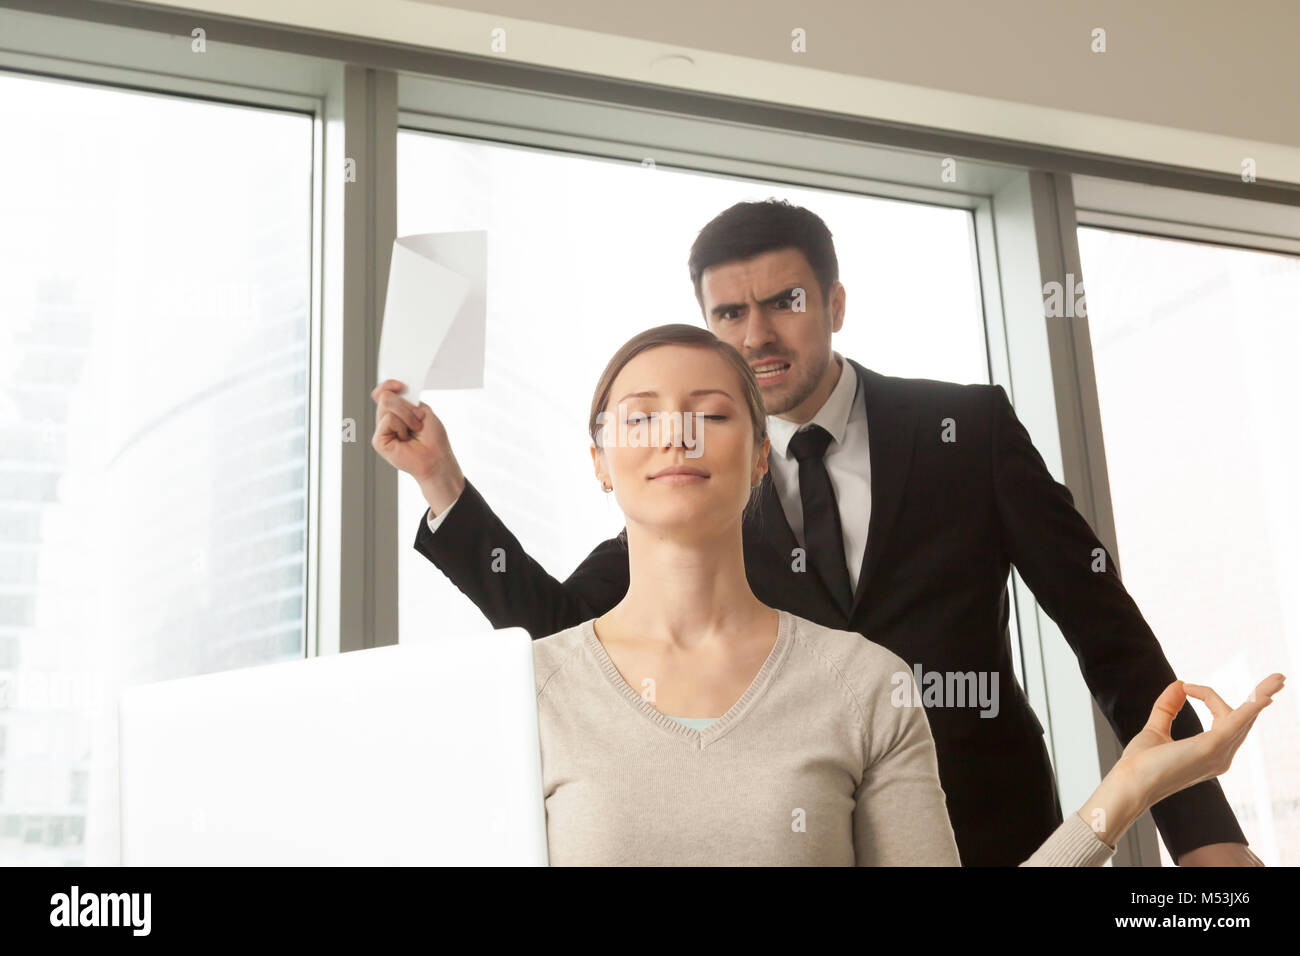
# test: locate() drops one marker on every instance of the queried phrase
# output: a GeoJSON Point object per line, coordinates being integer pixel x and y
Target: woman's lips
{"type": "Point", "coordinates": [678, 479]}
{"type": "Point", "coordinates": [771, 372]}
{"type": "Point", "coordinates": [680, 475]}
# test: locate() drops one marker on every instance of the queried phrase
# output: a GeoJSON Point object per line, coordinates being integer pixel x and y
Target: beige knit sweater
{"type": "Point", "coordinates": [813, 765]}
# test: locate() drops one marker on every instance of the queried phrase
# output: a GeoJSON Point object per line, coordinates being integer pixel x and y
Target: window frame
{"type": "Point", "coordinates": [91, 54]}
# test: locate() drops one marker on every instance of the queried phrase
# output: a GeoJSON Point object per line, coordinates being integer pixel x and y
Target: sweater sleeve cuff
{"type": "Point", "coordinates": [1074, 843]}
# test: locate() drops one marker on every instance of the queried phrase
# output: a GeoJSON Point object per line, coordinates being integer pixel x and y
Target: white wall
{"type": "Point", "coordinates": [1195, 83]}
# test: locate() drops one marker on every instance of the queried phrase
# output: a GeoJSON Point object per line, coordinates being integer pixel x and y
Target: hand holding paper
{"type": "Point", "coordinates": [412, 439]}
{"type": "Point", "coordinates": [435, 312]}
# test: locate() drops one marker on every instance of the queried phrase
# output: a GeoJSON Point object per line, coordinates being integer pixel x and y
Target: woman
{"type": "Point", "coordinates": [693, 724]}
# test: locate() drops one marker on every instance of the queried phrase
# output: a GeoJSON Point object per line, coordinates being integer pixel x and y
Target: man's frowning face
{"type": "Point", "coordinates": [750, 303]}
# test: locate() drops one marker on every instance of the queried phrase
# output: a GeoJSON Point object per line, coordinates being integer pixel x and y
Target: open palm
{"type": "Point", "coordinates": [1160, 765]}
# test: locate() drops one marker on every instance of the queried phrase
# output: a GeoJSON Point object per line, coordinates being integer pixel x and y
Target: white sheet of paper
{"type": "Point", "coordinates": [435, 313]}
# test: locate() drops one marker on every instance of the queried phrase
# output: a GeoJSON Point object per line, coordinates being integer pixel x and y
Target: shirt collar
{"type": "Point", "coordinates": [832, 416]}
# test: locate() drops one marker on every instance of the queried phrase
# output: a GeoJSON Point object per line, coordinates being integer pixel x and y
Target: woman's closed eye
{"type": "Point", "coordinates": [638, 417]}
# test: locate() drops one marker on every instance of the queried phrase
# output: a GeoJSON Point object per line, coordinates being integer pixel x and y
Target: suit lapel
{"type": "Point", "coordinates": [891, 437]}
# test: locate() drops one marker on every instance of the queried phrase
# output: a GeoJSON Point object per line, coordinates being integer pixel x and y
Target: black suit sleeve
{"type": "Point", "coordinates": [477, 552]}
{"type": "Point", "coordinates": [1054, 550]}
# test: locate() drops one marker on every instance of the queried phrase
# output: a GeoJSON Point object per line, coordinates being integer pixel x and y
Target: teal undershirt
{"type": "Point", "coordinates": [695, 723]}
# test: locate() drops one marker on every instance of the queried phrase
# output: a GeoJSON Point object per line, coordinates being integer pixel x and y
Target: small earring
{"type": "Point", "coordinates": [606, 487]}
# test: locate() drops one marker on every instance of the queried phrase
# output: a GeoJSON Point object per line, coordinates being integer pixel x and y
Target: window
{"type": "Point", "coordinates": [154, 329]}
{"type": "Point", "coordinates": [584, 253]}
{"type": "Point", "coordinates": [78, 788]}
{"type": "Point", "coordinates": [1194, 347]}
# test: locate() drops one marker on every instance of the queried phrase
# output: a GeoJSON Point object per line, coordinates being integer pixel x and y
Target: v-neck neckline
{"type": "Point", "coordinates": [715, 730]}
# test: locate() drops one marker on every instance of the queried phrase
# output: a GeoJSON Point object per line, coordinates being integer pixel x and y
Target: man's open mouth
{"type": "Point", "coordinates": [770, 371]}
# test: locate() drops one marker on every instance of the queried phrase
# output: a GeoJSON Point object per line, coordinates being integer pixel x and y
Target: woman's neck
{"type": "Point", "coordinates": [685, 592]}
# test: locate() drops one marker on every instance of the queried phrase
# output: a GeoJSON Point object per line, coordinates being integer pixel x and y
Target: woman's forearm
{"type": "Point", "coordinates": [1114, 806]}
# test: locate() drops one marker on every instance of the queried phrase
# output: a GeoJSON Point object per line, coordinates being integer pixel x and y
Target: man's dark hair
{"type": "Point", "coordinates": [748, 229]}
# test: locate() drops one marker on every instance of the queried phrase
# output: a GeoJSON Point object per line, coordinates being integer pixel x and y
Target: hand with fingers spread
{"type": "Point", "coordinates": [1155, 765]}
{"type": "Point", "coordinates": [412, 439]}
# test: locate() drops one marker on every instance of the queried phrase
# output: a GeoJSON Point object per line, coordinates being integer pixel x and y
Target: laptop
{"type": "Point", "coordinates": [393, 756]}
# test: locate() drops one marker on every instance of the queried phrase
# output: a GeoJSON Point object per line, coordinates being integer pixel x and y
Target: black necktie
{"type": "Point", "coordinates": [823, 537]}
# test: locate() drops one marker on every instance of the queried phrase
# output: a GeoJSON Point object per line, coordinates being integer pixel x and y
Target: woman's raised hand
{"type": "Point", "coordinates": [1154, 765]}
{"type": "Point", "coordinates": [1161, 765]}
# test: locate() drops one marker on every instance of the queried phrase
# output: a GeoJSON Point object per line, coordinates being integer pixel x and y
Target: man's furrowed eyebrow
{"type": "Point", "coordinates": [787, 293]}
{"type": "Point", "coordinates": [783, 294]}
{"type": "Point", "coordinates": [698, 391]}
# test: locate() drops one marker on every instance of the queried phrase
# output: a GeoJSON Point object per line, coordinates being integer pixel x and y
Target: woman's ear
{"type": "Point", "coordinates": [598, 464]}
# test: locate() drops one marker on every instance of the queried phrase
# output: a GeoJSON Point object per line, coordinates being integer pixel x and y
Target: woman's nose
{"type": "Point", "coordinates": [671, 429]}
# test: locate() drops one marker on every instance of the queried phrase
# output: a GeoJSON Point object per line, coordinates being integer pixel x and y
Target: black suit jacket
{"type": "Point", "coordinates": [948, 520]}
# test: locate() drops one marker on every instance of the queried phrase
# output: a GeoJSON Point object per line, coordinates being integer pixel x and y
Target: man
{"type": "Point", "coordinates": [893, 507]}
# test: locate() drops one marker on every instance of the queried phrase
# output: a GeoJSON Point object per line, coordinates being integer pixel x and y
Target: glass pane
{"type": "Point", "coordinates": [585, 253]}
{"type": "Point", "coordinates": [1195, 347]}
{"type": "Point", "coordinates": [154, 304]}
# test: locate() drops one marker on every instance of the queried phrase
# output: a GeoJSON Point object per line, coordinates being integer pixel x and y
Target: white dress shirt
{"type": "Point", "coordinates": [436, 523]}
{"type": "Point", "coordinates": [848, 462]}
